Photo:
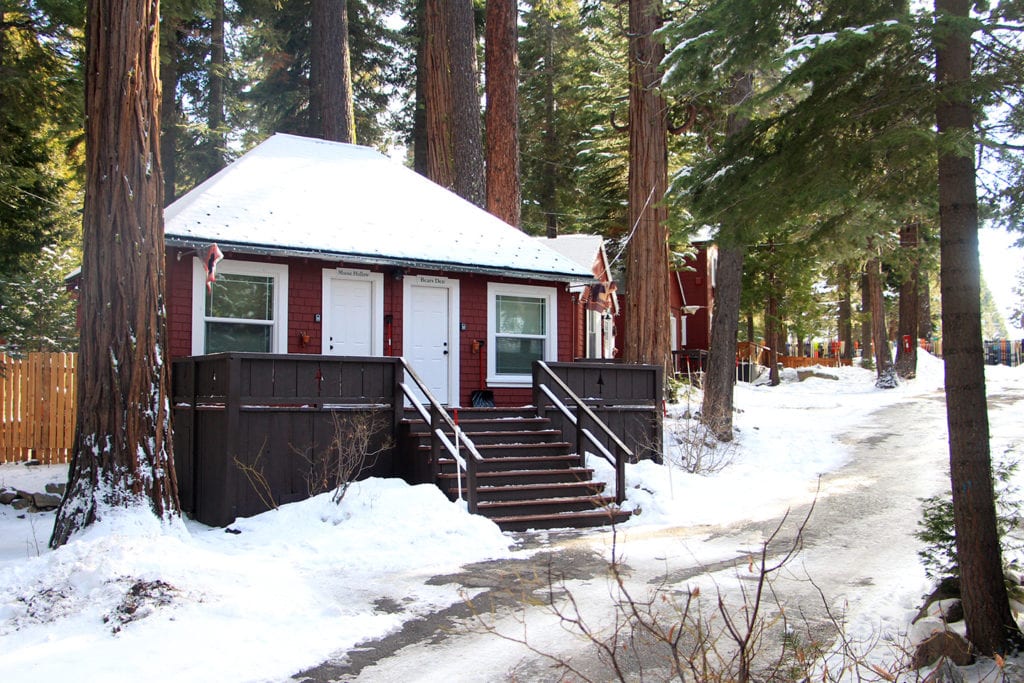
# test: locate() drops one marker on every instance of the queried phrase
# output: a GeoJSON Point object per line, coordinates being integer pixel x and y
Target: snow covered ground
{"type": "Point", "coordinates": [131, 597]}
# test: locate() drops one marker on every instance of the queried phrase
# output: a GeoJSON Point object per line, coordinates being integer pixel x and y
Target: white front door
{"type": "Point", "coordinates": [353, 309]}
{"type": "Point", "coordinates": [430, 334]}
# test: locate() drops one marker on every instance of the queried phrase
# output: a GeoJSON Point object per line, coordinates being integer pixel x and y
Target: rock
{"type": "Point", "coordinates": [21, 503]}
{"type": "Point", "coordinates": [947, 644]}
{"type": "Point", "coordinates": [57, 489]}
{"type": "Point", "coordinates": [924, 628]}
{"type": "Point", "coordinates": [945, 672]}
{"type": "Point", "coordinates": [8, 496]}
{"type": "Point", "coordinates": [801, 375]}
{"type": "Point", "coordinates": [948, 588]}
{"type": "Point", "coordinates": [45, 501]}
{"type": "Point", "coordinates": [949, 610]}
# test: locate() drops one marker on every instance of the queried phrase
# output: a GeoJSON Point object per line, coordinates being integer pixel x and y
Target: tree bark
{"type": "Point", "coordinates": [420, 162]}
{"type": "Point", "coordinates": [437, 94]}
{"type": "Point", "coordinates": [990, 625]}
{"type": "Point", "coordinates": [549, 181]}
{"type": "Point", "coordinates": [332, 116]}
{"type": "Point", "coordinates": [883, 355]}
{"type": "Point", "coordinates": [867, 351]}
{"type": "Point", "coordinates": [716, 409]}
{"type": "Point", "coordinates": [845, 323]}
{"type": "Point", "coordinates": [122, 455]}
{"type": "Point", "coordinates": [647, 262]}
{"type": "Point", "coordinates": [215, 105]}
{"type": "Point", "coordinates": [504, 196]}
{"type": "Point", "coordinates": [771, 337]}
{"type": "Point", "coordinates": [467, 141]}
{"type": "Point", "coordinates": [906, 358]}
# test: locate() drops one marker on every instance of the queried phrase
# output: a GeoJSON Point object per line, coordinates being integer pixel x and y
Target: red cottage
{"type": "Point", "coordinates": [335, 249]}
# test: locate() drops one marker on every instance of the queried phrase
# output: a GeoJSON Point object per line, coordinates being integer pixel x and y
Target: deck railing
{"type": "Point", "coordinates": [436, 419]}
{"type": "Point", "coordinates": [546, 389]}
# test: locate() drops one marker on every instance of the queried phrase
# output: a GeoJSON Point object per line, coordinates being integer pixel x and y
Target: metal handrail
{"type": "Point", "coordinates": [617, 461]}
{"type": "Point", "coordinates": [436, 419]}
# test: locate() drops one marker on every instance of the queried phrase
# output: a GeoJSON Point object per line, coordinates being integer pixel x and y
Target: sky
{"type": "Point", "coordinates": [289, 588]}
{"type": "Point", "coordinates": [1000, 263]}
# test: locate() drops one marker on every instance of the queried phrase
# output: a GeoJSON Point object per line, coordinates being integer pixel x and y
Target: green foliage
{"type": "Point", "coordinates": [572, 79]}
{"type": "Point", "coordinates": [36, 311]}
{"type": "Point", "coordinates": [271, 67]}
{"type": "Point", "coordinates": [936, 529]}
{"type": "Point", "coordinates": [41, 96]}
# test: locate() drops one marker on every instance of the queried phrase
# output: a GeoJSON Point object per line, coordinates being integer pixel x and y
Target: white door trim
{"type": "Point", "coordinates": [452, 285]}
{"type": "Point", "coordinates": [377, 281]}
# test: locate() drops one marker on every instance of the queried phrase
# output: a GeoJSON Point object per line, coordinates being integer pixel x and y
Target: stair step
{"type": "Point", "coordinates": [542, 506]}
{"type": "Point", "coordinates": [485, 437]}
{"type": "Point", "coordinates": [601, 517]}
{"type": "Point", "coordinates": [517, 477]}
{"type": "Point", "coordinates": [519, 462]}
{"type": "Point", "coordinates": [502, 451]}
{"type": "Point", "coordinates": [417, 426]}
{"type": "Point", "coordinates": [566, 489]}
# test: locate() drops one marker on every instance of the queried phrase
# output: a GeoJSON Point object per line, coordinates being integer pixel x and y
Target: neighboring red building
{"type": "Point", "coordinates": [335, 249]}
{"type": "Point", "coordinates": [595, 302]}
{"type": "Point", "coordinates": [692, 302]}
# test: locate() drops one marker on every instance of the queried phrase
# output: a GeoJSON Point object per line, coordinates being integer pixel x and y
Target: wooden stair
{"type": "Point", "coordinates": [529, 477]}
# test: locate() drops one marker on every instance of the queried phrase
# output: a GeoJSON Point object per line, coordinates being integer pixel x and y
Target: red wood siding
{"type": "Point", "coordinates": [305, 299]}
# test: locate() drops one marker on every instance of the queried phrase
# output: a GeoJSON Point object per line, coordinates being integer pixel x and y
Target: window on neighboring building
{"type": "Point", "coordinates": [521, 327]}
{"type": "Point", "coordinates": [243, 310]}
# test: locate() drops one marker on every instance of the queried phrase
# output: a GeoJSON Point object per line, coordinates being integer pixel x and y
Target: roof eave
{"type": "Point", "coordinates": [372, 260]}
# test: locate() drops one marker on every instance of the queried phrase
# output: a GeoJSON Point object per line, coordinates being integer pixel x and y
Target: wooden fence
{"type": "Point", "coordinates": [37, 407]}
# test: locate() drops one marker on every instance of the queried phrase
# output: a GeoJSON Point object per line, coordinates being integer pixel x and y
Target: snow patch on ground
{"type": "Point", "coordinates": [300, 584]}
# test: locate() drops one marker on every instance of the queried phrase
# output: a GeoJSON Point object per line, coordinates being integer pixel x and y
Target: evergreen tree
{"type": "Point", "coordinates": [40, 126]}
{"type": "Point", "coordinates": [37, 313]}
{"type": "Point", "coordinates": [122, 454]}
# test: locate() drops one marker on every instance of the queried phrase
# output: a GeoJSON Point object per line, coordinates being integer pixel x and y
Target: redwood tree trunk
{"type": "Point", "coordinates": [215, 109]}
{"type": "Point", "coordinates": [467, 142]}
{"type": "Point", "coordinates": [990, 625]}
{"type": "Point", "coordinates": [883, 355]}
{"type": "Point", "coordinates": [771, 337]}
{"type": "Point", "coordinates": [437, 94]}
{"type": "Point", "coordinates": [906, 358]}
{"type": "Point", "coordinates": [122, 455]}
{"type": "Point", "coordinates": [866, 352]}
{"type": "Point", "coordinates": [647, 262]}
{"type": "Point", "coordinates": [845, 313]}
{"type": "Point", "coordinates": [332, 116]}
{"type": "Point", "coordinates": [549, 182]}
{"type": "Point", "coordinates": [716, 409]}
{"type": "Point", "coordinates": [502, 81]}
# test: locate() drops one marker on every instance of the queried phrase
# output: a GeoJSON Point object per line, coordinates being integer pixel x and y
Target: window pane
{"type": "Point", "coordinates": [244, 297]}
{"type": "Point", "coordinates": [520, 315]}
{"type": "Point", "coordinates": [516, 356]}
{"type": "Point", "coordinates": [237, 337]}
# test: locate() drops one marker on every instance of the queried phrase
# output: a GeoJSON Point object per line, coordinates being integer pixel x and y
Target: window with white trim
{"type": "Point", "coordinates": [245, 309]}
{"type": "Point", "coordinates": [521, 328]}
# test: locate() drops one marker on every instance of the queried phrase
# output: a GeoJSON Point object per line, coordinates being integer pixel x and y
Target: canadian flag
{"type": "Point", "coordinates": [213, 256]}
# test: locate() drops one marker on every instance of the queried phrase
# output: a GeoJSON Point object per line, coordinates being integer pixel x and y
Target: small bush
{"type": "Point", "coordinates": [937, 531]}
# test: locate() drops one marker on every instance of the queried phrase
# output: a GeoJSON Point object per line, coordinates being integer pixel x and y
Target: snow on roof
{"type": "Point", "coordinates": [301, 196]}
{"type": "Point", "coordinates": [580, 249]}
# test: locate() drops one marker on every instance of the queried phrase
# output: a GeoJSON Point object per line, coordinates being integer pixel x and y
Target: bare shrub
{"type": "Point", "coordinates": [257, 479]}
{"type": "Point", "coordinates": [693, 447]}
{"type": "Point", "coordinates": [707, 637]}
{"type": "Point", "coordinates": [358, 441]}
